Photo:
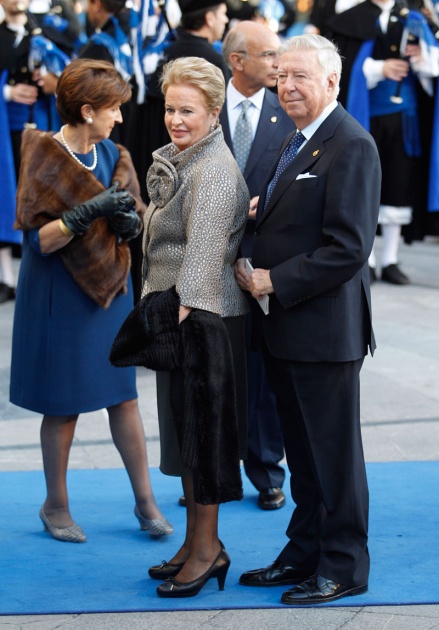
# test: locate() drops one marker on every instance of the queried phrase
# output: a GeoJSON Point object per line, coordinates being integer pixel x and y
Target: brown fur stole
{"type": "Point", "coordinates": [51, 182]}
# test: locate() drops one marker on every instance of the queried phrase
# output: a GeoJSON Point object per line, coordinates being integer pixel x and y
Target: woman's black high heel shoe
{"type": "Point", "coordinates": [173, 588]}
{"type": "Point", "coordinates": [164, 570]}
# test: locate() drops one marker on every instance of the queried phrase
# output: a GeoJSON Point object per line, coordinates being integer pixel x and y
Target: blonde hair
{"type": "Point", "coordinates": [198, 73]}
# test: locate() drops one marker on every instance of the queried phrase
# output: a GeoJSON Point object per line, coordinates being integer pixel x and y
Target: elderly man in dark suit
{"type": "Point", "coordinates": [315, 226]}
{"type": "Point", "coordinates": [251, 51]}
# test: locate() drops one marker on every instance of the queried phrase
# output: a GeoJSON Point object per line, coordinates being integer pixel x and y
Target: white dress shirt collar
{"type": "Point", "coordinates": [310, 130]}
{"type": "Point", "coordinates": [19, 30]}
{"type": "Point", "coordinates": [235, 98]}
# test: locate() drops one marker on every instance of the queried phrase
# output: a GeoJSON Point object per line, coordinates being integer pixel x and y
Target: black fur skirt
{"type": "Point", "coordinates": [170, 462]}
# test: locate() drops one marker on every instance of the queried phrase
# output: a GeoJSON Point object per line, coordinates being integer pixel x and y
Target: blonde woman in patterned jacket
{"type": "Point", "coordinates": [193, 228]}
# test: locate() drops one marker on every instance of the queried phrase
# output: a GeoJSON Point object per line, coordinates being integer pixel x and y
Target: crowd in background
{"type": "Point", "coordinates": [215, 81]}
{"type": "Point", "coordinates": [134, 37]}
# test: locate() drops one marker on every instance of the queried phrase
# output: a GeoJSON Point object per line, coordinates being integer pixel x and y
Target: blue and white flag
{"type": "Point", "coordinates": [118, 47]}
{"type": "Point", "coordinates": [153, 35]}
{"type": "Point", "coordinates": [43, 52]}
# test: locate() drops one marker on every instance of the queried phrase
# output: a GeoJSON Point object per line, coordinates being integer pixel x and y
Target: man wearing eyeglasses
{"type": "Point", "coordinates": [251, 52]}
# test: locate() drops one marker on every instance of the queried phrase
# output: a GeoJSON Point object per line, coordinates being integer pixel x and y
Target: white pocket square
{"type": "Point", "coordinates": [305, 176]}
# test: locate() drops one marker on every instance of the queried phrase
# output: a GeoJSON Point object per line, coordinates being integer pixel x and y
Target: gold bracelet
{"type": "Point", "coordinates": [64, 229]}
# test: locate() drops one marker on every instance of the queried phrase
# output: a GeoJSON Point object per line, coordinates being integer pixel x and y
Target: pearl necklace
{"type": "Point", "coordinates": [95, 153]}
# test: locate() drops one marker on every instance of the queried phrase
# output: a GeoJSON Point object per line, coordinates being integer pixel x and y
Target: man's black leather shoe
{"type": "Point", "coordinates": [271, 499]}
{"type": "Point", "coordinates": [394, 275]}
{"type": "Point", "coordinates": [273, 575]}
{"type": "Point", "coordinates": [6, 293]}
{"type": "Point", "coordinates": [318, 590]}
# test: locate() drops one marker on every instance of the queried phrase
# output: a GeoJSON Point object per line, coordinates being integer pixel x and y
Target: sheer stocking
{"type": "Point", "coordinates": [56, 439]}
{"type": "Point", "coordinates": [129, 438]}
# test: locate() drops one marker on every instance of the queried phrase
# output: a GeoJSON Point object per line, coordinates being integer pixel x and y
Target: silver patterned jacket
{"type": "Point", "coordinates": [194, 225]}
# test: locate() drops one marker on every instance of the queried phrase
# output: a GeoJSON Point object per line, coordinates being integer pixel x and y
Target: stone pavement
{"type": "Point", "coordinates": [400, 416]}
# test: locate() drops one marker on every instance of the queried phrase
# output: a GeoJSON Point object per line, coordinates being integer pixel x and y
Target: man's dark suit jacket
{"type": "Point", "coordinates": [274, 125]}
{"type": "Point", "coordinates": [265, 441]}
{"type": "Point", "coordinates": [315, 236]}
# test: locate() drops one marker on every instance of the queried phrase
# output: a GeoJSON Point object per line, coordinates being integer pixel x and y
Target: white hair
{"type": "Point", "coordinates": [327, 53]}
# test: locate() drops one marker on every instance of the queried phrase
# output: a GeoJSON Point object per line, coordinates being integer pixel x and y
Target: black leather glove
{"type": "Point", "coordinates": [127, 225]}
{"type": "Point", "coordinates": [79, 219]}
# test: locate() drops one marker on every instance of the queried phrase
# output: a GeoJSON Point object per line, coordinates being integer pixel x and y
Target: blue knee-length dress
{"type": "Point", "coordinates": [61, 338]}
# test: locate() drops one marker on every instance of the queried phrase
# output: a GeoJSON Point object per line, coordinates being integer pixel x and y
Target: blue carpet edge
{"type": "Point", "coordinates": [344, 603]}
{"type": "Point", "coordinates": [348, 602]}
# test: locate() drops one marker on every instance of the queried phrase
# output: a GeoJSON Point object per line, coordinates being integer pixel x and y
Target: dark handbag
{"type": "Point", "coordinates": [150, 336]}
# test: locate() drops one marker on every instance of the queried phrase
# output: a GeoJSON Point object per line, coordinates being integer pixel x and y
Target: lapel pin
{"type": "Point", "coordinates": [316, 153]}
{"type": "Point", "coordinates": [273, 118]}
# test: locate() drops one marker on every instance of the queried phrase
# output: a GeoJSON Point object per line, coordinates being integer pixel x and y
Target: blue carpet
{"type": "Point", "coordinates": [109, 573]}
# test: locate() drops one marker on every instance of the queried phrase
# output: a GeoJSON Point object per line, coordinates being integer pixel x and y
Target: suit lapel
{"type": "Point", "coordinates": [267, 120]}
{"type": "Point", "coordinates": [270, 110]}
{"type": "Point", "coordinates": [224, 120]}
{"type": "Point", "coordinates": [302, 163]}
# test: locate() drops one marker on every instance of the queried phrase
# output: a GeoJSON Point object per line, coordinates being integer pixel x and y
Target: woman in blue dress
{"type": "Point", "coordinates": [78, 204]}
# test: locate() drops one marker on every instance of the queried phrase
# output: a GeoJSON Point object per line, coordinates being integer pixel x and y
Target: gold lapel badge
{"type": "Point", "coordinates": [316, 153]}
{"type": "Point", "coordinates": [273, 119]}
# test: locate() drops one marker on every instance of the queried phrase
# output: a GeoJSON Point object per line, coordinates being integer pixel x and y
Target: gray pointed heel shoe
{"type": "Point", "coordinates": [73, 533]}
{"type": "Point", "coordinates": [156, 527]}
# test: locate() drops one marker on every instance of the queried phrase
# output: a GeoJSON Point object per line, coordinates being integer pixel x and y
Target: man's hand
{"type": "Point", "coordinates": [241, 274]}
{"type": "Point", "coordinates": [395, 69]}
{"type": "Point", "coordinates": [24, 94]}
{"type": "Point", "coordinates": [413, 52]}
{"type": "Point", "coordinates": [260, 283]}
{"type": "Point", "coordinates": [253, 207]}
{"type": "Point", "coordinates": [46, 81]}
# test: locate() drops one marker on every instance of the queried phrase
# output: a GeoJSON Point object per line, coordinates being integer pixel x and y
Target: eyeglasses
{"type": "Point", "coordinates": [270, 55]}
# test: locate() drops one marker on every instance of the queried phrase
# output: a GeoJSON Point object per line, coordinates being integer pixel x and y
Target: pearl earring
{"type": "Point", "coordinates": [89, 120]}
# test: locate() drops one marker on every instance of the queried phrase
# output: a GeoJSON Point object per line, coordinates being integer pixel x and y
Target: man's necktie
{"type": "Point", "coordinates": [289, 154]}
{"type": "Point", "coordinates": [243, 136]}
